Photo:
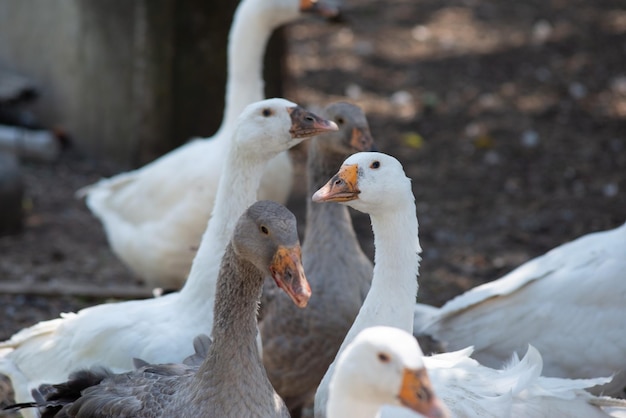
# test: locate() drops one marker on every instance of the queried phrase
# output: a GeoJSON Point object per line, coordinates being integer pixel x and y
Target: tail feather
{"type": "Point", "coordinates": [69, 391]}
{"type": "Point", "coordinates": [201, 345]}
{"type": "Point", "coordinates": [50, 399]}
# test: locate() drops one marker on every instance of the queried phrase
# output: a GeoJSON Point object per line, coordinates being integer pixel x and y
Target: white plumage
{"type": "Point", "coordinates": [381, 366]}
{"type": "Point", "coordinates": [569, 303]}
{"type": "Point", "coordinates": [375, 183]}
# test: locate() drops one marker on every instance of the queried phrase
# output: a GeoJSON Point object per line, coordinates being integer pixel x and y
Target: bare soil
{"type": "Point", "coordinates": [510, 117]}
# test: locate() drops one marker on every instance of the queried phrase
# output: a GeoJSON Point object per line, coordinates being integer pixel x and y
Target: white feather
{"type": "Point", "coordinates": [569, 303]}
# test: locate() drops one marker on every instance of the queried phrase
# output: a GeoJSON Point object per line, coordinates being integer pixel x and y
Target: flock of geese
{"type": "Point", "coordinates": [343, 336]}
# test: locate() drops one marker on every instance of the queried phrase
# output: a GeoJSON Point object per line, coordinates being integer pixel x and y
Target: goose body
{"type": "Point", "coordinates": [300, 344]}
{"type": "Point", "coordinates": [230, 381]}
{"type": "Point", "coordinates": [154, 216]}
{"type": "Point", "coordinates": [376, 184]}
{"type": "Point", "coordinates": [159, 330]}
{"type": "Point", "coordinates": [577, 293]}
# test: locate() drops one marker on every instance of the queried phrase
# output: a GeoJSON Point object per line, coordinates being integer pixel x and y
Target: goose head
{"type": "Point", "coordinates": [267, 236]}
{"type": "Point", "coordinates": [271, 126]}
{"type": "Point", "coordinates": [370, 182]}
{"type": "Point", "coordinates": [354, 131]}
{"type": "Point", "coordinates": [384, 366]}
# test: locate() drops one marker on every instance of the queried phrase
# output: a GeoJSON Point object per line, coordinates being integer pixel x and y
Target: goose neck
{"type": "Point", "coordinates": [392, 294]}
{"type": "Point", "coordinates": [236, 191]}
{"type": "Point", "coordinates": [233, 357]}
{"type": "Point", "coordinates": [342, 404]}
{"type": "Point", "coordinates": [326, 219]}
{"type": "Point", "coordinates": [247, 40]}
{"type": "Point", "coordinates": [394, 286]}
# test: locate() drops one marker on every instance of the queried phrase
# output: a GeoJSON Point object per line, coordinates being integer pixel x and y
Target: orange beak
{"type": "Point", "coordinates": [288, 273]}
{"type": "Point", "coordinates": [319, 7]}
{"type": "Point", "coordinates": [341, 188]}
{"type": "Point", "coordinates": [417, 394]}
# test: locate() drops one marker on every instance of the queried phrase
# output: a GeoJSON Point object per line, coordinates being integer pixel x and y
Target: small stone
{"type": "Point", "coordinates": [354, 91]}
{"type": "Point", "coordinates": [577, 90]}
{"type": "Point", "coordinates": [492, 158]}
{"type": "Point", "coordinates": [421, 33]}
{"type": "Point", "coordinates": [610, 189]}
{"type": "Point", "coordinates": [541, 31]}
{"type": "Point", "coordinates": [530, 138]}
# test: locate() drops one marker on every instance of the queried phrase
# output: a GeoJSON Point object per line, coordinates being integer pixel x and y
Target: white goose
{"type": "Point", "coordinates": [154, 216]}
{"type": "Point", "coordinates": [577, 292]}
{"type": "Point", "coordinates": [160, 330]}
{"type": "Point", "coordinates": [376, 184]}
{"type": "Point", "coordinates": [382, 366]}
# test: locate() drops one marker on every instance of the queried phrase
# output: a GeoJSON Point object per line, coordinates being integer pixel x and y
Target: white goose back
{"type": "Point", "coordinates": [576, 291]}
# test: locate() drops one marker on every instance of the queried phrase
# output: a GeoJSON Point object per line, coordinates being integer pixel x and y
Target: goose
{"type": "Point", "coordinates": [231, 380]}
{"type": "Point", "coordinates": [154, 216]}
{"type": "Point", "coordinates": [381, 366]}
{"type": "Point", "coordinates": [577, 293]}
{"type": "Point", "coordinates": [375, 183]}
{"type": "Point", "coordinates": [300, 344]}
{"type": "Point", "coordinates": [158, 330]}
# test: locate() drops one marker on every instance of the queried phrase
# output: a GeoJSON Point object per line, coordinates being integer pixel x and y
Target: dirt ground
{"type": "Point", "coordinates": [510, 117]}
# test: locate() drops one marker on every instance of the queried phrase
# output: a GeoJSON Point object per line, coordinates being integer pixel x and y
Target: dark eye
{"type": "Point", "coordinates": [264, 230]}
{"type": "Point", "coordinates": [340, 121]}
{"type": "Point", "coordinates": [267, 112]}
{"type": "Point", "coordinates": [383, 357]}
{"type": "Point", "coordinates": [375, 165]}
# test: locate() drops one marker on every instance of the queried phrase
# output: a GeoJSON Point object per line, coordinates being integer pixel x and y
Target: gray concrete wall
{"type": "Point", "coordinates": [95, 63]}
{"type": "Point", "coordinates": [128, 79]}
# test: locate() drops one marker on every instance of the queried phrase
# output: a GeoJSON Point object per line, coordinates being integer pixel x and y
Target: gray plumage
{"type": "Point", "coordinates": [231, 380]}
{"type": "Point", "coordinates": [299, 345]}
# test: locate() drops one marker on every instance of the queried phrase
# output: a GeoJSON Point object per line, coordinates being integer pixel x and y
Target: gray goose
{"type": "Point", "coordinates": [231, 381]}
{"type": "Point", "coordinates": [299, 345]}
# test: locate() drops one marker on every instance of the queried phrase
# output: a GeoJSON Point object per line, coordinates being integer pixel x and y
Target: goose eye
{"type": "Point", "coordinates": [375, 165]}
{"type": "Point", "coordinates": [384, 358]}
{"type": "Point", "coordinates": [267, 112]}
{"type": "Point", "coordinates": [340, 121]}
{"type": "Point", "coordinates": [264, 230]}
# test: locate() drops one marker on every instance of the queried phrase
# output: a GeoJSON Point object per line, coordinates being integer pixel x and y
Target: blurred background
{"type": "Point", "coordinates": [510, 117]}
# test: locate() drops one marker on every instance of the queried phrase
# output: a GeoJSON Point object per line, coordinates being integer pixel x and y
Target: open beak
{"type": "Point", "coordinates": [417, 394]}
{"type": "Point", "coordinates": [341, 188]}
{"type": "Point", "coordinates": [288, 273]}
{"type": "Point", "coordinates": [322, 8]}
{"type": "Point", "coordinates": [362, 141]}
{"type": "Point", "coordinates": [305, 124]}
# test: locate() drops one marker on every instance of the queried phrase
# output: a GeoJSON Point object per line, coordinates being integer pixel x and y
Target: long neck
{"type": "Point", "coordinates": [341, 404]}
{"type": "Point", "coordinates": [236, 191]}
{"type": "Point", "coordinates": [233, 361]}
{"type": "Point", "coordinates": [392, 295]}
{"type": "Point", "coordinates": [391, 298]}
{"type": "Point", "coordinates": [325, 220]}
{"type": "Point", "coordinates": [248, 37]}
